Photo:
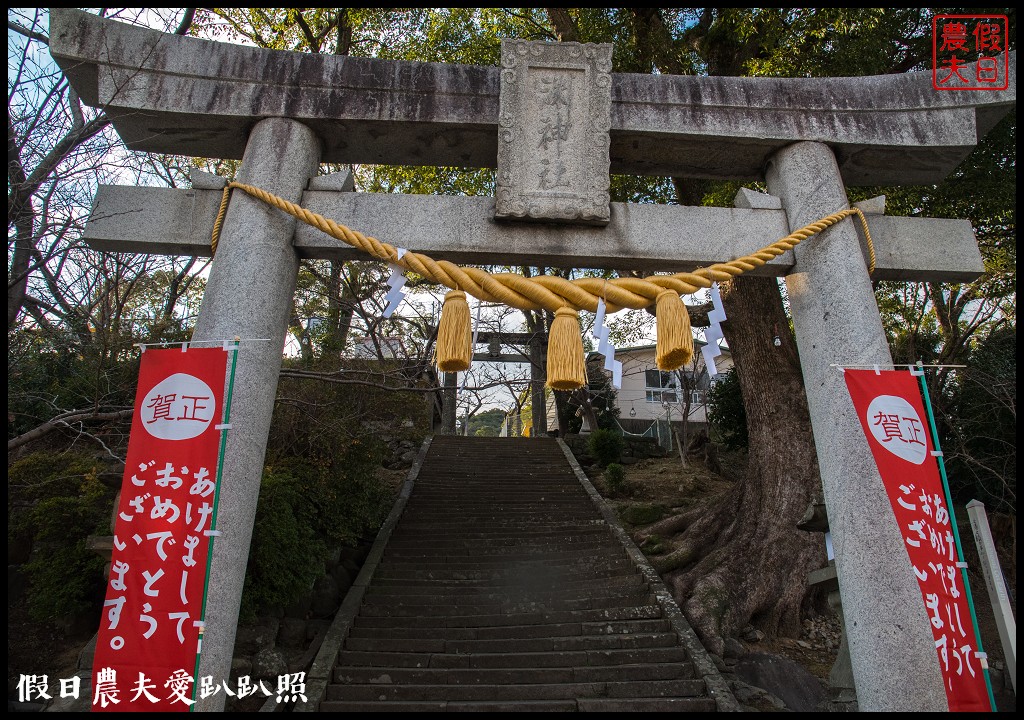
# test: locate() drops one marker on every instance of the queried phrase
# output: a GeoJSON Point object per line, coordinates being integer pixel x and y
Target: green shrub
{"type": "Point", "coordinates": [303, 512]}
{"type": "Point", "coordinates": [615, 476]}
{"type": "Point", "coordinates": [55, 501]}
{"type": "Point", "coordinates": [606, 446]}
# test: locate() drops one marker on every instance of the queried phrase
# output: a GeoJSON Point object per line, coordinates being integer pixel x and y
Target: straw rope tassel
{"type": "Point", "coordinates": [566, 368]}
{"type": "Point", "coordinates": [454, 334]}
{"type": "Point", "coordinates": [675, 341]}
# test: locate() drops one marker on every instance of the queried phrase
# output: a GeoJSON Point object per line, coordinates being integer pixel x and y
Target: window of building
{"type": "Point", "coordinates": [664, 387]}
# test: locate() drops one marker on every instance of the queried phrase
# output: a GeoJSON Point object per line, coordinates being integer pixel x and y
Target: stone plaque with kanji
{"type": "Point", "coordinates": [553, 159]}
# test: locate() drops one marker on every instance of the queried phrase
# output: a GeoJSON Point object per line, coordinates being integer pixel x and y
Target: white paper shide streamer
{"type": "Point", "coordinates": [396, 282]}
{"type": "Point", "coordinates": [476, 333]}
{"type": "Point", "coordinates": [714, 332]}
{"type": "Point", "coordinates": [605, 347]}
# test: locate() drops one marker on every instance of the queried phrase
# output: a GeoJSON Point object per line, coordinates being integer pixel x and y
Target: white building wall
{"type": "Point", "coordinates": [633, 395]}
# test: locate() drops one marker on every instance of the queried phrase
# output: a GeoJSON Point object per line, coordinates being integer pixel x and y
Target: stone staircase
{"type": "Point", "coordinates": [503, 587]}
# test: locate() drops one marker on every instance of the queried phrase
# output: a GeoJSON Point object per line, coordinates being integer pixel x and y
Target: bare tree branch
{"type": "Point", "coordinates": [65, 420]}
{"type": "Point", "coordinates": [11, 25]}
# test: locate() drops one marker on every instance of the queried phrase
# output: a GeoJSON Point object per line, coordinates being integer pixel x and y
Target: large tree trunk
{"type": "Point", "coordinates": [743, 560]}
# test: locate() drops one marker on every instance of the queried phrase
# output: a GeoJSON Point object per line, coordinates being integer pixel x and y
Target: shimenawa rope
{"type": "Point", "coordinates": [563, 297]}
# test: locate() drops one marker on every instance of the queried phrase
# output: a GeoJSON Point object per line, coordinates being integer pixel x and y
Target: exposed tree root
{"type": "Point", "coordinates": [670, 526]}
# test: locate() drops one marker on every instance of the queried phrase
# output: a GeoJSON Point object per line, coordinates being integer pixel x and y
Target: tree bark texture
{"type": "Point", "coordinates": [744, 561]}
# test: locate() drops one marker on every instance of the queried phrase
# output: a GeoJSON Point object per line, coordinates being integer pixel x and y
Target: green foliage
{"type": "Point", "coordinates": [642, 513]}
{"type": "Point", "coordinates": [52, 370]}
{"type": "Point", "coordinates": [615, 476]}
{"type": "Point", "coordinates": [726, 414]}
{"type": "Point", "coordinates": [606, 446]}
{"type": "Point", "coordinates": [486, 423]}
{"type": "Point", "coordinates": [981, 452]}
{"type": "Point", "coordinates": [303, 512]}
{"type": "Point", "coordinates": [54, 502]}
{"type": "Point", "coordinates": [319, 421]}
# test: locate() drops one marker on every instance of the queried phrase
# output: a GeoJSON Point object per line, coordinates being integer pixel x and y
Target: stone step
{"type": "Point", "coordinates": [489, 506]}
{"type": "Point", "coordinates": [503, 577]}
{"type": "Point", "coordinates": [512, 533]}
{"type": "Point", "coordinates": [410, 548]}
{"type": "Point", "coordinates": [553, 484]}
{"type": "Point", "coordinates": [513, 645]}
{"type": "Point", "coordinates": [508, 607]}
{"type": "Point", "coordinates": [490, 593]}
{"type": "Point", "coordinates": [524, 562]}
{"type": "Point", "coordinates": [502, 588]}
{"type": "Point", "coordinates": [596, 547]}
{"type": "Point", "coordinates": [615, 627]}
{"type": "Point", "coordinates": [688, 705]}
{"type": "Point", "coordinates": [534, 691]}
{"type": "Point", "coordinates": [501, 597]}
{"type": "Point", "coordinates": [498, 583]}
{"type": "Point", "coordinates": [495, 573]}
{"type": "Point", "coordinates": [504, 554]}
{"type": "Point", "coordinates": [430, 498]}
{"type": "Point", "coordinates": [503, 676]}
{"type": "Point", "coordinates": [570, 513]}
{"type": "Point", "coordinates": [461, 573]}
{"type": "Point", "coordinates": [647, 612]}
{"type": "Point", "coordinates": [573, 658]}
{"type": "Point", "coordinates": [343, 706]}
{"type": "Point", "coordinates": [508, 520]}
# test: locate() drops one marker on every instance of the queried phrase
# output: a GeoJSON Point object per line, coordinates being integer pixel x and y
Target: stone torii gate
{"type": "Point", "coordinates": [555, 122]}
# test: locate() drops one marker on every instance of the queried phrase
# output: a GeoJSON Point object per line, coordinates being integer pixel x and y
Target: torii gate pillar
{"type": "Point", "coordinates": [249, 294]}
{"type": "Point", "coordinates": [837, 322]}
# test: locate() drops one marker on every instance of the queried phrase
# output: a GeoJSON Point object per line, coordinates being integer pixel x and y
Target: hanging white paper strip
{"type": "Point", "coordinates": [476, 333]}
{"type": "Point", "coordinates": [714, 332]}
{"type": "Point", "coordinates": [601, 331]}
{"type": "Point", "coordinates": [396, 281]}
{"type": "Point", "coordinates": [617, 375]}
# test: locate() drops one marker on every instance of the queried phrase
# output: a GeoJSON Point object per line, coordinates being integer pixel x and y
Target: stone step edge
{"type": "Point", "coordinates": [717, 686]}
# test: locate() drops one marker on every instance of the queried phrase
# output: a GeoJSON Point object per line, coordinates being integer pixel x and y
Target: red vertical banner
{"type": "Point", "coordinates": [150, 627]}
{"type": "Point", "coordinates": [895, 423]}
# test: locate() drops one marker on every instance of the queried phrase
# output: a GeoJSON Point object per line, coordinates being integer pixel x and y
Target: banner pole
{"type": "Point", "coordinates": [213, 518]}
{"type": "Point", "coordinates": [956, 532]}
